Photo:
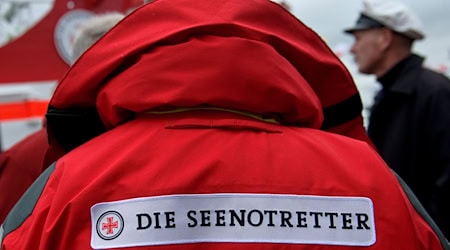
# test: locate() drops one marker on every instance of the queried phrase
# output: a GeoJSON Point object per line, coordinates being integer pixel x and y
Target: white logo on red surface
{"type": "Point", "coordinates": [66, 30]}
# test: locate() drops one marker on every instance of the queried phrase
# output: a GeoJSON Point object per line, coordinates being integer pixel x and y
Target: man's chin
{"type": "Point", "coordinates": [364, 71]}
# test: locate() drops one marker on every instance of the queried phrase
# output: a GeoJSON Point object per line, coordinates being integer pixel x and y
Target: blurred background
{"type": "Point", "coordinates": [329, 18]}
{"type": "Point", "coordinates": [36, 35]}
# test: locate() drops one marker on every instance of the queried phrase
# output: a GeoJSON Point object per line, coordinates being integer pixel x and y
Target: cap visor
{"type": "Point", "coordinates": [358, 27]}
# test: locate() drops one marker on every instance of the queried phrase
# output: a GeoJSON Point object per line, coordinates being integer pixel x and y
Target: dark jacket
{"type": "Point", "coordinates": [410, 126]}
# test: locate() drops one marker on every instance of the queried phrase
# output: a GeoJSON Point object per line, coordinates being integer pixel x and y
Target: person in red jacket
{"type": "Point", "coordinates": [213, 124]}
{"type": "Point", "coordinates": [20, 165]}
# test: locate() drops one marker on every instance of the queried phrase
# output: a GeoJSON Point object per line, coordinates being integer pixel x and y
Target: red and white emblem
{"type": "Point", "coordinates": [110, 225]}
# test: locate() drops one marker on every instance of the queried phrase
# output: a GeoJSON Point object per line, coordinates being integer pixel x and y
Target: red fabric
{"type": "Point", "coordinates": [270, 51]}
{"type": "Point", "coordinates": [250, 56]}
{"type": "Point", "coordinates": [24, 162]}
{"type": "Point", "coordinates": [187, 154]}
{"type": "Point", "coordinates": [20, 165]}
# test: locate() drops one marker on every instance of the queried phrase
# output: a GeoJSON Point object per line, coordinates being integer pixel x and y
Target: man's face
{"type": "Point", "coordinates": [367, 50]}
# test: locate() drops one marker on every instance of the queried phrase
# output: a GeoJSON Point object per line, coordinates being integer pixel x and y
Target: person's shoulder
{"type": "Point", "coordinates": [34, 144]}
{"type": "Point", "coordinates": [434, 82]}
{"type": "Point", "coordinates": [433, 76]}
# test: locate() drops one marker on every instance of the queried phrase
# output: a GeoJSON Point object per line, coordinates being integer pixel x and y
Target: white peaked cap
{"type": "Point", "coordinates": [395, 16]}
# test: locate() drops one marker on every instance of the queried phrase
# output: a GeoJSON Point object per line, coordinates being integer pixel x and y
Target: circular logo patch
{"type": "Point", "coordinates": [110, 225]}
{"type": "Point", "coordinates": [66, 30]}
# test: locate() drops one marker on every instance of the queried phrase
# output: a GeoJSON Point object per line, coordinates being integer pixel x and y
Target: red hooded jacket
{"type": "Point", "coordinates": [14, 181]}
{"type": "Point", "coordinates": [228, 124]}
{"type": "Point", "coordinates": [21, 165]}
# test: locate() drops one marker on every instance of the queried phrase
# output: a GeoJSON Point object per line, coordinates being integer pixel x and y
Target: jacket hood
{"type": "Point", "coordinates": [251, 56]}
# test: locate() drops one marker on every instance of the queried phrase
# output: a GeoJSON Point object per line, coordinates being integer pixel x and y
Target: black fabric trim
{"type": "Point", "coordinates": [23, 208]}
{"type": "Point", "coordinates": [364, 22]}
{"type": "Point", "coordinates": [423, 213]}
{"type": "Point", "coordinates": [342, 112]}
{"type": "Point", "coordinates": [70, 128]}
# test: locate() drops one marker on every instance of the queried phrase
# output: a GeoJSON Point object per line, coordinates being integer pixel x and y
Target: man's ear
{"type": "Point", "coordinates": [385, 38]}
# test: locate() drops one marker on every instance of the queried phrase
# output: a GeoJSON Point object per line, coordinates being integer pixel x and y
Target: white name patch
{"type": "Point", "coordinates": [246, 218]}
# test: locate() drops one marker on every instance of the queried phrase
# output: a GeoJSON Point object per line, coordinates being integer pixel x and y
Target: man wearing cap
{"type": "Point", "coordinates": [409, 122]}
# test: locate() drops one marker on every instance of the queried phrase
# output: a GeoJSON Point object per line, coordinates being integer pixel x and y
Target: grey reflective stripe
{"type": "Point", "coordinates": [25, 205]}
{"type": "Point", "coordinates": [421, 210]}
{"type": "Point", "coordinates": [1, 234]}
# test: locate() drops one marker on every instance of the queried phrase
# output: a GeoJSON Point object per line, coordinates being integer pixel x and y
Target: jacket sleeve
{"type": "Point", "coordinates": [11, 236]}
